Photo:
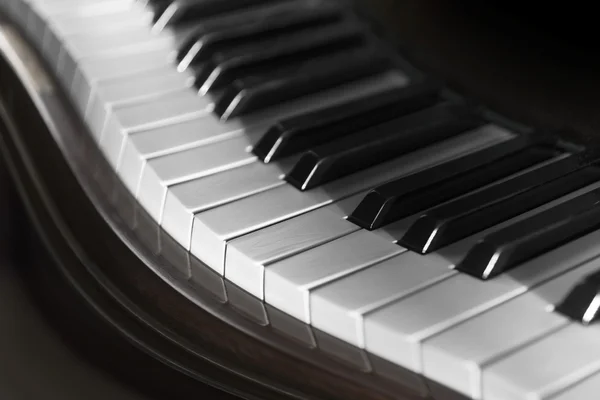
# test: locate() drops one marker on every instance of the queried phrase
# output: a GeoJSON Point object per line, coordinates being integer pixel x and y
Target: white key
{"type": "Point", "coordinates": [83, 8]}
{"type": "Point", "coordinates": [90, 71]}
{"type": "Point", "coordinates": [61, 28]}
{"type": "Point", "coordinates": [212, 229]}
{"type": "Point", "coordinates": [57, 37]}
{"type": "Point", "coordinates": [122, 91]}
{"type": "Point", "coordinates": [288, 282]}
{"type": "Point", "coordinates": [587, 389]}
{"type": "Point", "coordinates": [545, 367]}
{"type": "Point", "coordinates": [65, 25]}
{"type": "Point", "coordinates": [158, 142]}
{"type": "Point", "coordinates": [339, 308]}
{"type": "Point", "coordinates": [157, 112]}
{"type": "Point", "coordinates": [396, 331]}
{"type": "Point", "coordinates": [155, 142]}
{"type": "Point", "coordinates": [169, 108]}
{"type": "Point", "coordinates": [194, 163]}
{"type": "Point", "coordinates": [138, 39]}
{"type": "Point", "coordinates": [201, 161]}
{"type": "Point", "coordinates": [186, 199]}
{"type": "Point", "coordinates": [457, 356]}
{"type": "Point", "coordinates": [42, 13]}
{"type": "Point", "coordinates": [80, 11]}
{"type": "Point", "coordinates": [183, 135]}
{"type": "Point", "coordinates": [249, 256]}
{"type": "Point", "coordinates": [145, 145]}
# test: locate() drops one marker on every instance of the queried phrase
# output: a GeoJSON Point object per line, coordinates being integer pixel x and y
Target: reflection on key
{"type": "Point", "coordinates": [582, 304]}
{"type": "Point", "coordinates": [258, 26]}
{"type": "Point", "coordinates": [180, 12]}
{"type": "Point", "coordinates": [300, 133]}
{"type": "Point", "coordinates": [407, 196]}
{"type": "Point", "coordinates": [459, 218]}
{"type": "Point", "coordinates": [506, 248]}
{"type": "Point", "coordinates": [379, 144]}
{"type": "Point", "coordinates": [283, 50]}
{"type": "Point", "coordinates": [259, 91]}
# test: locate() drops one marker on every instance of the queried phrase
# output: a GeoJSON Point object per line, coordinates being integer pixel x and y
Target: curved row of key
{"type": "Point", "coordinates": [289, 151]}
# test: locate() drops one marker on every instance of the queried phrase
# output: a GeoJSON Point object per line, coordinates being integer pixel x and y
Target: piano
{"type": "Point", "coordinates": [277, 199]}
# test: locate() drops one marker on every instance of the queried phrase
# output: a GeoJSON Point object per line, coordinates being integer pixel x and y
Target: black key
{"type": "Point", "coordinates": [159, 6]}
{"type": "Point", "coordinates": [257, 26]}
{"type": "Point", "coordinates": [206, 36]}
{"type": "Point", "coordinates": [467, 215]}
{"type": "Point", "coordinates": [379, 144]}
{"type": "Point", "coordinates": [526, 239]}
{"type": "Point", "coordinates": [180, 12]}
{"type": "Point", "coordinates": [297, 134]}
{"type": "Point", "coordinates": [258, 91]}
{"type": "Point", "coordinates": [414, 193]}
{"type": "Point", "coordinates": [582, 304]}
{"type": "Point", "coordinates": [280, 51]}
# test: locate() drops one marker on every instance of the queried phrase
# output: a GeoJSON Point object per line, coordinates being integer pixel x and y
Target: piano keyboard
{"type": "Point", "coordinates": [290, 150]}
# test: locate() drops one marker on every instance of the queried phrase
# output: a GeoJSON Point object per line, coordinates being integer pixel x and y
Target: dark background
{"type": "Point", "coordinates": [535, 62]}
{"type": "Point", "coordinates": [35, 363]}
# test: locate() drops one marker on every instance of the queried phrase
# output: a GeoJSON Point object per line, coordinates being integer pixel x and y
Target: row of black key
{"type": "Point", "coordinates": [298, 134]}
{"type": "Point", "coordinates": [454, 200]}
{"type": "Point", "coordinates": [380, 143]}
{"type": "Point", "coordinates": [271, 54]}
{"type": "Point", "coordinates": [274, 52]}
{"type": "Point", "coordinates": [459, 218]}
{"type": "Point", "coordinates": [211, 38]}
{"type": "Point", "coordinates": [479, 191]}
{"type": "Point", "coordinates": [409, 195]}
{"type": "Point", "coordinates": [179, 12]}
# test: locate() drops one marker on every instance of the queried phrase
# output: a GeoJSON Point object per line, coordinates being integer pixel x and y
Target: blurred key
{"type": "Point", "coordinates": [262, 90]}
{"type": "Point", "coordinates": [282, 50]}
{"type": "Point", "coordinates": [179, 12]}
{"type": "Point", "coordinates": [210, 39]}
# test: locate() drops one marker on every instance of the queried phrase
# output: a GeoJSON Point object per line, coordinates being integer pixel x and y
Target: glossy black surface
{"type": "Point", "coordinates": [189, 11]}
{"type": "Point", "coordinates": [159, 7]}
{"type": "Point", "coordinates": [268, 55]}
{"type": "Point", "coordinates": [517, 243]}
{"type": "Point", "coordinates": [417, 192]}
{"type": "Point", "coordinates": [297, 134]}
{"type": "Point", "coordinates": [259, 90]}
{"type": "Point", "coordinates": [254, 26]}
{"type": "Point", "coordinates": [380, 143]}
{"type": "Point", "coordinates": [581, 304]}
{"type": "Point", "coordinates": [460, 218]}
